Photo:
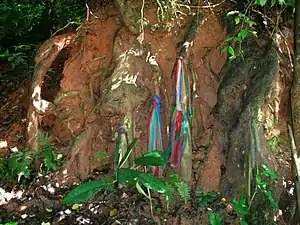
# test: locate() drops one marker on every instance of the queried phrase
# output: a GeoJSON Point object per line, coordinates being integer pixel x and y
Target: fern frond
{"type": "Point", "coordinates": [184, 191]}
{"type": "Point", "coordinates": [48, 149]}
{"type": "Point", "coordinates": [20, 164]}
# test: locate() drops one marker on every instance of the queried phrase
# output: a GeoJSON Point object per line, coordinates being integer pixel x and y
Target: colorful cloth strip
{"type": "Point", "coordinates": [155, 132]}
{"type": "Point", "coordinates": [179, 142]}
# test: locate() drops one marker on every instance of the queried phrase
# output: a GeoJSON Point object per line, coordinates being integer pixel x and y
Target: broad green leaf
{"type": "Point", "coordinates": [152, 182]}
{"type": "Point", "coordinates": [241, 209]}
{"type": "Point", "coordinates": [212, 218]}
{"type": "Point", "coordinates": [154, 158]}
{"type": "Point", "coordinates": [127, 176]}
{"type": "Point", "coordinates": [215, 219]}
{"type": "Point", "coordinates": [273, 2]}
{"type": "Point", "coordinates": [261, 2]}
{"type": "Point", "coordinates": [237, 20]}
{"type": "Point", "coordinates": [83, 192]}
{"type": "Point", "coordinates": [128, 153]}
{"type": "Point", "coordinates": [219, 218]}
{"type": "Point", "coordinates": [243, 221]}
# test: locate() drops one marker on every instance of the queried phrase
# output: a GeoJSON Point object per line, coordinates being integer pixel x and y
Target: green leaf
{"type": "Point", "coordinates": [20, 164]}
{"type": "Point", "coordinates": [127, 176]}
{"type": "Point", "coordinates": [231, 51]}
{"type": "Point", "coordinates": [169, 196]}
{"type": "Point", "coordinates": [273, 2]}
{"type": "Point", "coordinates": [261, 2]}
{"type": "Point", "coordinates": [272, 200]}
{"type": "Point", "coordinates": [241, 207]}
{"type": "Point", "coordinates": [268, 172]}
{"type": "Point", "coordinates": [243, 221]}
{"type": "Point", "coordinates": [229, 39]}
{"type": "Point", "coordinates": [184, 191]}
{"type": "Point", "coordinates": [215, 219]}
{"type": "Point", "coordinates": [224, 49]}
{"type": "Point", "coordinates": [48, 148]}
{"type": "Point", "coordinates": [128, 152]}
{"type": "Point", "coordinates": [281, 2]}
{"type": "Point", "coordinates": [154, 158]}
{"type": "Point", "coordinates": [205, 199]}
{"type": "Point", "coordinates": [84, 192]}
{"type": "Point", "coordinates": [152, 182]}
{"type": "Point", "coordinates": [173, 179]}
{"type": "Point", "coordinates": [237, 20]}
{"type": "Point", "coordinates": [243, 34]}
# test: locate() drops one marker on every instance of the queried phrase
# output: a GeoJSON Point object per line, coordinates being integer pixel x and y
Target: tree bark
{"type": "Point", "coordinates": [47, 53]}
{"type": "Point", "coordinates": [295, 101]}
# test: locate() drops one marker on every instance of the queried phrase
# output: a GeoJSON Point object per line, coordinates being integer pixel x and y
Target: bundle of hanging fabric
{"type": "Point", "coordinates": [179, 147]}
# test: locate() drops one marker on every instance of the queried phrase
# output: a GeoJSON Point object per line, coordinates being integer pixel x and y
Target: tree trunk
{"type": "Point", "coordinates": [295, 101]}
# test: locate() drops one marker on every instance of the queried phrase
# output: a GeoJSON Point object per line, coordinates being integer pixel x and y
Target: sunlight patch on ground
{"type": "Point", "coordinates": [3, 144]}
{"type": "Point", "coordinates": [5, 197]}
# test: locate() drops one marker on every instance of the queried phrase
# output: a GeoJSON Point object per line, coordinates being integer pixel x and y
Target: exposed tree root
{"type": "Point", "coordinates": [38, 106]}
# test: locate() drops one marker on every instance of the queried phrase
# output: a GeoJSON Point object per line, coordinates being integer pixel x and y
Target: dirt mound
{"type": "Point", "coordinates": [90, 64]}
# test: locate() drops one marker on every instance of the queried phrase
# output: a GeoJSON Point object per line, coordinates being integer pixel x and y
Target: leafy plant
{"type": "Point", "coordinates": [84, 192]}
{"type": "Point", "coordinates": [50, 159]}
{"type": "Point", "coordinates": [204, 199]}
{"type": "Point", "coordinates": [20, 165]}
{"type": "Point", "coordinates": [264, 180]}
{"type": "Point", "coordinates": [246, 26]}
{"type": "Point", "coordinates": [176, 187]}
{"type": "Point", "coordinates": [124, 176]}
{"type": "Point", "coordinates": [242, 209]}
{"type": "Point", "coordinates": [235, 42]}
{"type": "Point", "coordinates": [215, 219]}
{"type": "Point", "coordinates": [10, 223]}
{"type": "Point", "coordinates": [24, 25]}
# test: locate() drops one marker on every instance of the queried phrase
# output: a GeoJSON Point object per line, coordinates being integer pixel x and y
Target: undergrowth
{"type": "Point", "coordinates": [171, 188]}
{"type": "Point", "coordinates": [21, 164]}
{"type": "Point", "coordinates": [246, 25]}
